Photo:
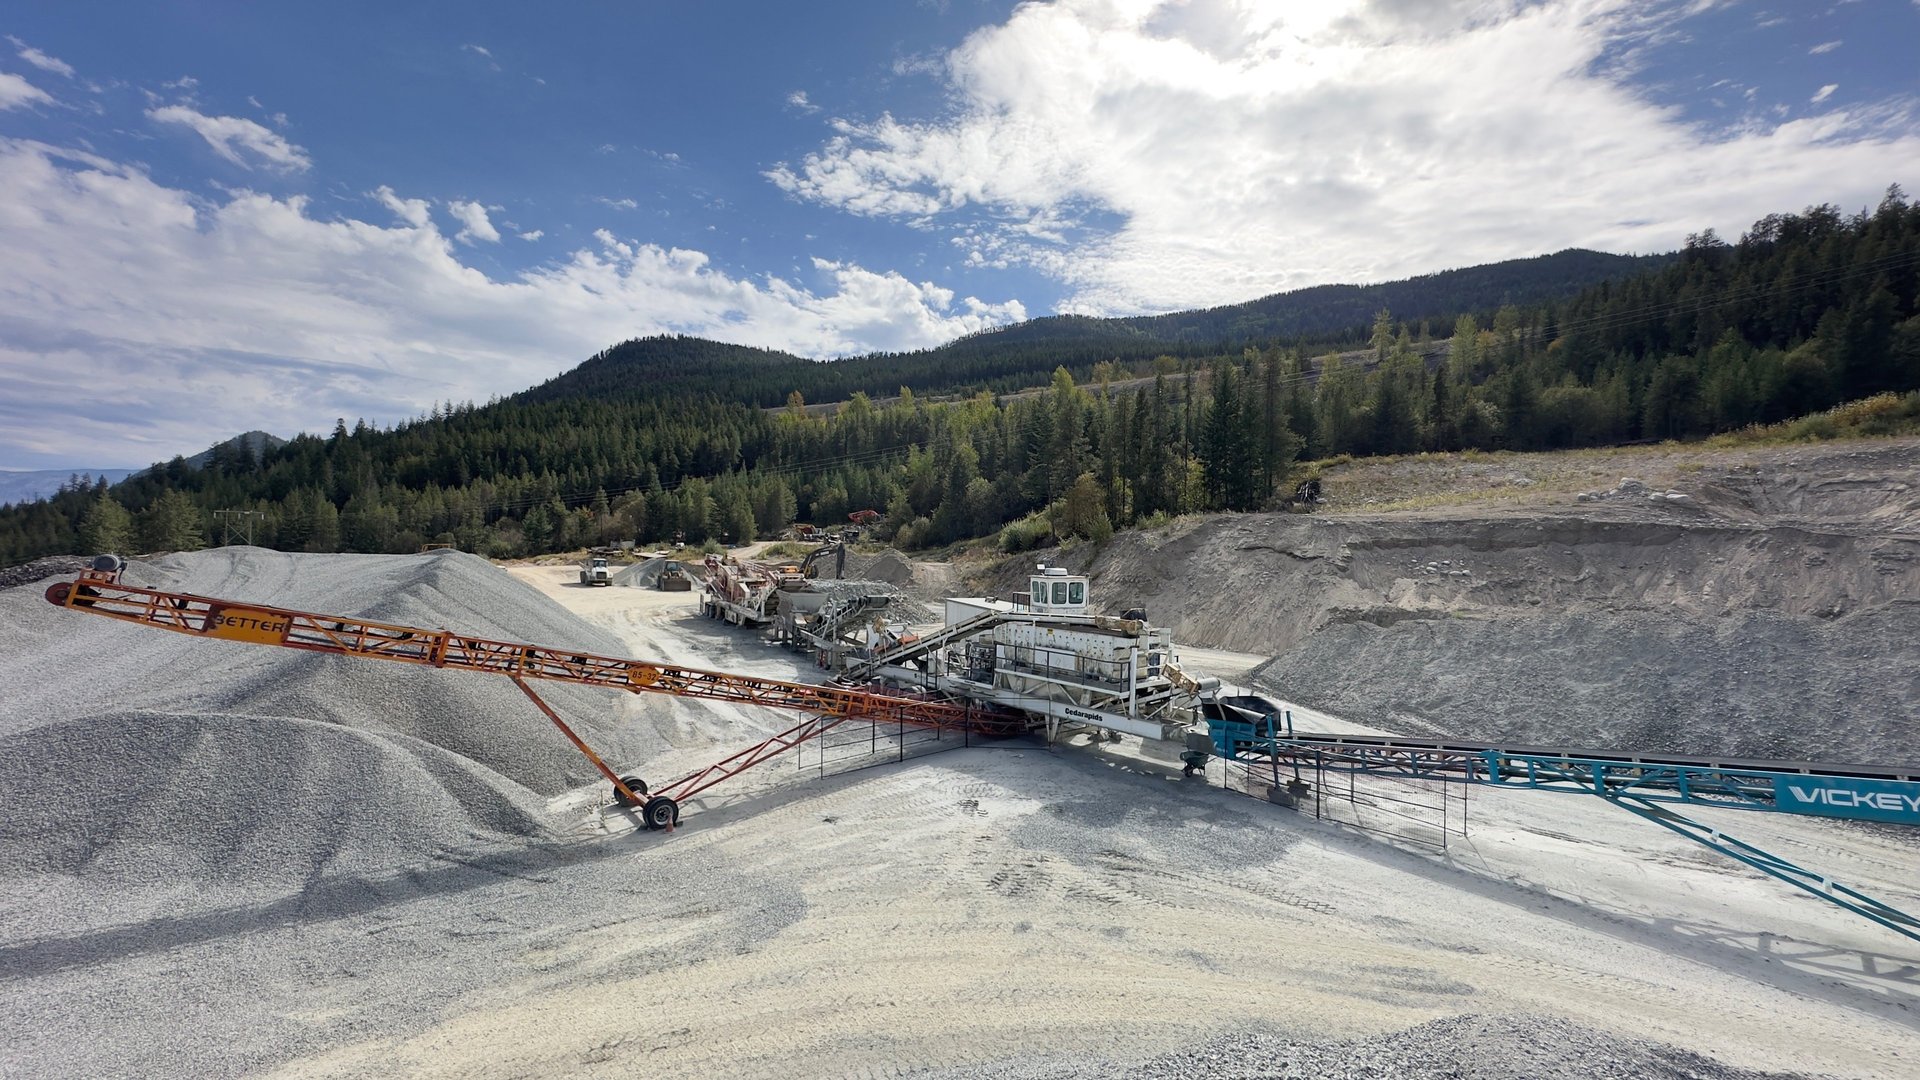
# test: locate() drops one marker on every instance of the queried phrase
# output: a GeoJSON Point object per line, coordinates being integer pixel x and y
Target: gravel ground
{"type": "Point", "coordinates": [220, 861]}
{"type": "Point", "coordinates": [1457, 1048]}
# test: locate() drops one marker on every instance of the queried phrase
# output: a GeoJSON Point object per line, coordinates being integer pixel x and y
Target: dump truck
{"type": "Point", "coordinates": [594, 571]}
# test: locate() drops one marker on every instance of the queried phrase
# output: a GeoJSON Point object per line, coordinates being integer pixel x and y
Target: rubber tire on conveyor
{"type": "Point", "coordinates": [634, 784]}
{"type": "Point", "coordinates": [660, 812]}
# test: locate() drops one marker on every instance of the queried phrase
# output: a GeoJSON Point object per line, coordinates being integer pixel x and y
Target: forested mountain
{"type": "Point", "coordinates": [1329, 311]}
{"type": "Point", "coordinates": [1020, 356]}
{"type": "Point", "coordinates": [673, 435]}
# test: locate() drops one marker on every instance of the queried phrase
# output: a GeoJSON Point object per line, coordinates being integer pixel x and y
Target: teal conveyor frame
{"type": "Point", "coordinates": [1644, 785]}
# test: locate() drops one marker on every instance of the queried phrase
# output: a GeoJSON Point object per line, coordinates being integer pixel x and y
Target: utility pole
{"type": "Point", "coordinates": [245, 524]}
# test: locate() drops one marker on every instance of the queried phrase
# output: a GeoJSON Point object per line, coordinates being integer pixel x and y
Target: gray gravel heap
{"type": "Point", "coordinates": [645, 574]}
{"type": "Point", "coordinates": [168, 772]}
{"type": "Point", "coordinates": [900, 607]}
{"type": "Point", "coordinates": [1755, 685]}
{"type": "Point", "coordinates": [40, 569]}
{"type": "Point", "coordinates": [885, 565]}
{"type": "Point", "coordinates": [1520, 1047]}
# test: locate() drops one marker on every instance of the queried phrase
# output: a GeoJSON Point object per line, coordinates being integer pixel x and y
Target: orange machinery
{"type": "Point", "coordinates": [100, 592]}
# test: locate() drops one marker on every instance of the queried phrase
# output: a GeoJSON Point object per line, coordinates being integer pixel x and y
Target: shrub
{"type": "Point", "coordinates": [1030, 532]}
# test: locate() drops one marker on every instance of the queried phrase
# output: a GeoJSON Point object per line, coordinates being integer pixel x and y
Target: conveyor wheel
{"type": "Point", "coordinates": [660, 812]}
{"type": "Point", "coordinates": [634, 784]}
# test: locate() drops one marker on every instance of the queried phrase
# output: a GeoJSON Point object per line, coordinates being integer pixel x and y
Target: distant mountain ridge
{"type": "Point", "coordinates": [1024, 354]}
{"type": "Point", "coordinates": [1322, 309]}
{"type": "Point", "coordinates": [27, 485]}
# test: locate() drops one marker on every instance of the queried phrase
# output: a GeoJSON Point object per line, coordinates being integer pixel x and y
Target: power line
{"type": "Point", "coordinates": [246, 518]}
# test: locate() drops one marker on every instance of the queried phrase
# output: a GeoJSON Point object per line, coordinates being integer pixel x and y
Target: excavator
{"type": "Point", "coordinates": [99, 591]}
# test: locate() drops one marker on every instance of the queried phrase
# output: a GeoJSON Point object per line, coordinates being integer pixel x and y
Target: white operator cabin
{"type": "Point", "coordinates": [1050, 591]}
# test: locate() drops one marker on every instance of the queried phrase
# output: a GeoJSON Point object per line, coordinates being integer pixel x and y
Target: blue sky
{"type": "Point", "coordinates": [218, 217]}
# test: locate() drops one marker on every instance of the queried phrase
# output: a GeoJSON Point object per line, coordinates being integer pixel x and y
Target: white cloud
{"type": "Point", "coordinates": [483, 52]}
{"type": "Point", "coordinates": [184, 82]}
{"type": "Point", "coordinates": [41, 60]}
{"type": "Point", "coordinates": [229, 135]}
{"type": "Point", "coordinates": [1194, 153]}
{"type": "Point", "coordinates": [159, 301]}
{"type": "Point", "coordinates": [532, 234]}
{"type": "Point", "coordinates": [16, 92]}
{"type": "Point", "coordinates": [473, 223]}
{"type": "Point", "coordinates": [1824, 93]}
{"type": "Point", "coordinates": [1824, 47]}
{"type": "Point", "coordinates": [617, 204]}
{"type": "Point", "coordinates": [412, 211]}
{"type": "Point", "coordinates": [798, 100]}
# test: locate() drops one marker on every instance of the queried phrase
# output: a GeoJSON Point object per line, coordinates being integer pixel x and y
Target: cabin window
{"type": "Point", "coordinates": [1039, 592]}
{"type": "Point", "coordinates": [1060, 593]}
{"type": "Point", "coordinates": [1076, 593]}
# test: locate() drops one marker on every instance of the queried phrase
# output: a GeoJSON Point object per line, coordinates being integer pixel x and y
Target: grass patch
{"type": "Point", "coordinates": [1880, 416]}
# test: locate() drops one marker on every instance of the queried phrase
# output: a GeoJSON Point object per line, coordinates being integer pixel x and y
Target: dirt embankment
{"type": "Point", "coordinates": [1767, 610]}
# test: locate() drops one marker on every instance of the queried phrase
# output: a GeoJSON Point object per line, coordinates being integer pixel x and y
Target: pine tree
{"type": "Point", "coordinates": [172, 523]}
{"type": "Point", "coordinates": [106, 527]}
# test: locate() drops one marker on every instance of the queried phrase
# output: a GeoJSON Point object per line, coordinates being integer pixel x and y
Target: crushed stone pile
{"type": "Point", "coordinates": [221, 773]}
{"type": "Point", "coordinates": [901, 607]}
{"type": "Point", "coordinates": [1635, 490]}
{"type": "Point", "coordinates": [51, 566]}
{"type": "Point", "coordinates": [645, 574]}
{"type": "Point", "coordinates": [1619, 626]}
{"type": "Point", "coordinates": [1761, 685]}
{"type": "Point", "coordinates": [1524, 1047]}
{"type": "Point", "coordinates": [885, 565]}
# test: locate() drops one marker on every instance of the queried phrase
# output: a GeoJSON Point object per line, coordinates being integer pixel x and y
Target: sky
{"type": "Point", "coordinates": [217, 217]}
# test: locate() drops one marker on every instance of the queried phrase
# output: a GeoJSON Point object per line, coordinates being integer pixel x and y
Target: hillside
{"type": "Point", "coordinates": [1023, 355]}
{"type": "Point", "coordinates": [1749, 602]}
{"type": "Point", "coordinates": [674, 437]}
{"type": "Point", "coordinates": [1329, 310]}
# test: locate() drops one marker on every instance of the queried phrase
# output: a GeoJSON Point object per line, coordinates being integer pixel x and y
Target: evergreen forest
{"type": "Point", "coordinates": [1068, 426]}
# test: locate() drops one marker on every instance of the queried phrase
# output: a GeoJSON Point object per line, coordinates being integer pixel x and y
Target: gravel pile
{"type": "Point", "coordinates": [900, 606]}
{"type": "Point", "coordinates": [1456, 1048]}
{"type": "Point", "coordinates": [40, 569]}
{"type": "Point", "coordinates": [214, 772]}
{"type": "Point", "coordinates": [1755, 685]}
{"type": "Point", "coordinates": [1632, 489]}
{"type": "Point", "coordinates": [885, 565]}
{"type": "Point", "coordinates": [644, 574]}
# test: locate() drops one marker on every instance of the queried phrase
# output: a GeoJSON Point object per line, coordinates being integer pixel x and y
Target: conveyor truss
{"type": "Point", "coordinates": [826, 707]}
{"type": "Point", "coordinates": [1648, 786]}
